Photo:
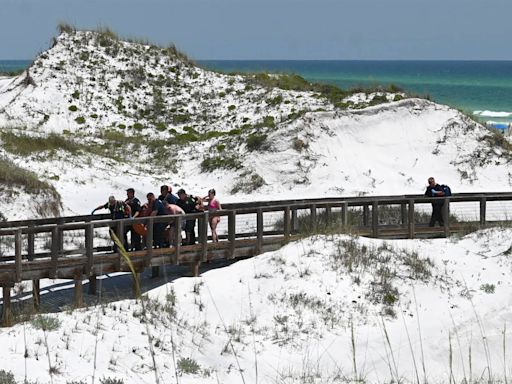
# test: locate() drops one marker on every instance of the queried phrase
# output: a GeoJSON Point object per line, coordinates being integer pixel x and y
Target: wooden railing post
{"type": "Point", "coordinates": [259, 231]}
{"type": "Point", "coordinates": [446, 216]}
{"type": "Point", "coordinates": [328, 216]}
{"type": "Point", "coordinates": [89, 250]}
{"type": "Point", "coordinates": [411, 219]}
{"type": "Point", "coordinates": [375, 218]}
{"type": "Point", "coordinates": [295, 221]}
{"type": "Point", "coordinates": [286, 223]}
{"type": "Point", "coordinates": [312, 209]}
{"type": "Point", "coordinates": [231, 233]}
{"type": "Point", "coordinates": [203, 236]}
{"type": "Point", "coordinates": [483, 210]}
{"type": "Point", "coordinates": [403, 213]}
{"type": "Point", "coordinates": [177, 239]}
{"type": "Point", "coordinates": [366, 214]}
{"type": "Point", "coordinates": [149, 241]}
{"type": "Point", "coordinates": [344, 214]}
{"type": "Point", "coordinates": [31, 243]}
{"type": "Point", "coordinates": [17, 253]}
{"type": "Point", "coordinates": [60, 222]}
{"type": "Point", "coordinates": [54, 252]}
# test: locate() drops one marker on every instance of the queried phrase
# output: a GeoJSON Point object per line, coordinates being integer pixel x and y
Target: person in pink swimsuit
{"type": "Point", "coordinates": [213, 205]}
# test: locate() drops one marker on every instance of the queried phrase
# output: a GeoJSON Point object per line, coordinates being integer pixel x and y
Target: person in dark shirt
{"type": "Point", "coordinates": [134, 203]}
{"type": "Point", "coordinates": [157, 209]}
{"type": "Point", "coordinates": [166, 194]}
{"type": "Point", "coordinates": [189, 204]}
{"type": "Point", "coordinates": [435, 190]}
{"type": "Point", "coordinates": [118, 210]}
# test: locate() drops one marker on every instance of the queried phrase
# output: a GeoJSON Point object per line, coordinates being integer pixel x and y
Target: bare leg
{"type": "Point", "coordinates": [213, 226]}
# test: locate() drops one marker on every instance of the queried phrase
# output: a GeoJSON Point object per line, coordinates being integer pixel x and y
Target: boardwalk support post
{"type": "Point", "coordinates": [79, 298]}
{"type": "Point", "coordinates": [314, 226]}
{"type": "Point", "coordinates": [55, 253]}
{"type": "Point", "coordinates": [36, 294]}
{"type": "Point", "coordinates": [366, 214]}
{"type": "Point", "coordinates": [295, 221]}
{"type": "Point", "coordinates": [403, 213]}
{"type": "Point", "coordinates": [177, 240]}
{"type": "Point", "coordinates": [31, 242]}
{"type": "Point", "coordinates": [7, 316]}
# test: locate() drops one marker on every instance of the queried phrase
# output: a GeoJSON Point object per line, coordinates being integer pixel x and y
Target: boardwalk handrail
{"type": "Point", "coordinates": [28, 262]}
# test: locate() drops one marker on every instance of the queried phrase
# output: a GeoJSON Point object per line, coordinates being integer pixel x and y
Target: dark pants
{"type": "Point", "coordinates": [190, 232]}
{"type": "Point", "coordinates": [437, 214]}
{"type": "Point", "coordinates": [135, 239]}
{"type": "Point", "coordinates": [159, 234]}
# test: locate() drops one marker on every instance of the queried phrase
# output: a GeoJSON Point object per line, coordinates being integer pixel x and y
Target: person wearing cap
{"type": "Point", "coordinates": [118, 210]}
{"type": "Point", "coordinates": [157, 209]}
{"type": "Point", "coordinates": [134, 203]}
{"type": "Point", "coordinates": [189, 204]}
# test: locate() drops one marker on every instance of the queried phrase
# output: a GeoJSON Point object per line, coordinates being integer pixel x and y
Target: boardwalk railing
{"type": "Point", "coordinates": [79, 247]}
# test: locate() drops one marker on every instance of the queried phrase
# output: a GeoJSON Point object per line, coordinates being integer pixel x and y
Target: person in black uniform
{"type": "Point", "coordinates": [118, 210]}
{"type": "Point", "coordinates": [134, 203]}
{"type": "Point", "coordinates": [435, 190]}
{"type": "Point", "coordinates": [189, 204]}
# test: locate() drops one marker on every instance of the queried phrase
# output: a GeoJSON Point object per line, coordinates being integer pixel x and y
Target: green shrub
{"type": "Point", "coordinates": [248, 183]}
{"type": "Point", "coordinates": [274, 101]}
{"type": "Point", "coordinates": [138, 126]}
{"type": "Point", "coordinates": [299, 145]}
{"type": "Point", "coordinates": [160, 127]}
{"type": "Point", "coordinates": [76, 94]}
{"type": "Point", "coordinates": [80, 120]}
{"type": "Point", "coordinates": [210, 164]}
{"type": "Point", "coordinates": [231, 107]}
{"type": "Point", "coordinates": [181, 118]}
{"type": "Point", "coordinates": [46, 323]}
{"type": "Point", "coordinates": [94, 116]}
{"type": "Point", "coordinates": [108, 380]}
{"type": "Point", "coordinates": [25, 145]}
{"type": "Point", "coordinates": [256, 141]}
{"type": "Point", "coordinates": [73, 108]}
{"type": "Point", "coordinates": [6, 377]}
{"type": "Point", "coordinates": [188, 366]}
{"type": "Point", "coordinates": [268, 121]}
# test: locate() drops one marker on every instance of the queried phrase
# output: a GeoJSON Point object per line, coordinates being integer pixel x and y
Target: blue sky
{"type": "Point", "coordinates": [275, 29]}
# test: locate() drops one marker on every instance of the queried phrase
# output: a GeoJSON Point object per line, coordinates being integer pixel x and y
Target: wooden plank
{"type": "Point", "coordinates": [286, 223]}
{"type": "Point", "coordinates": [203, 235]}
{"type": "Point", "coordinates": [231, 233]}
{"type": "Point", "coordinates": [483, 210]}
{"type": "Point", "coordinates": [411, 219]}
{"type": "Point", "coordinates": [17, 252]}
{"type": "Point", "coordinates": [375, 218]}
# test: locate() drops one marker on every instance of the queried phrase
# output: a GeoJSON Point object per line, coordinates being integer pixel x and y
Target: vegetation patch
{"type": "Point", "coordinates": [256, 142]}
{"type": "Point", "coordinates": [24, 145]}
{"type": "Point", "coordinates": [210, 164]}
{"type": "Point", "coordinates": [248, 182]}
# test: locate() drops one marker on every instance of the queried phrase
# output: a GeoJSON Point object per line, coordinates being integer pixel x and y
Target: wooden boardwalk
{"type": "Point", "coordinates": [31, 250]}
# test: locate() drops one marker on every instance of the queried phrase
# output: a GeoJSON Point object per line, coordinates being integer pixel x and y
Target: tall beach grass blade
{"type": "Point", "coordinates": [126, 257]}
{"type": "Point", "coordinates": [421, 338]}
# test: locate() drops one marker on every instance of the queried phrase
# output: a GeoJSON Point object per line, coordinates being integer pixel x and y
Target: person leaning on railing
{"type": "Point", "coordinates": [435, 190]}
{"type": "Point", "coordinates": [189, 204]}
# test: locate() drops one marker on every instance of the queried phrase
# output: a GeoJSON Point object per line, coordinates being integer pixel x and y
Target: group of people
{"type": "Point", "coordinates": [166, 204]}
{"type": "Point", "coordinates": [435, 190]}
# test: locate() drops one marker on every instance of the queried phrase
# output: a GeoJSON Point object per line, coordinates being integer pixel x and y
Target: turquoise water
{"type": "Point", "coordinates": [467, 85]}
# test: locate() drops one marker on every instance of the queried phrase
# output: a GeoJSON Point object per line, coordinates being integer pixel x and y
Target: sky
{"type": "Point", "coordinates": [275, 29]}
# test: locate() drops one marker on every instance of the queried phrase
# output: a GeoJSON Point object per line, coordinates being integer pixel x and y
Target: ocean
{"type": "Point", "coordinates": [480, 88]}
